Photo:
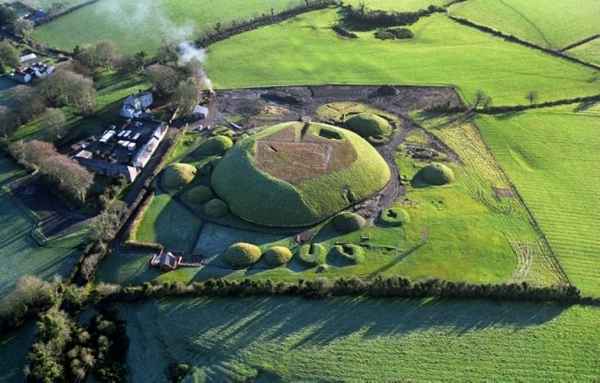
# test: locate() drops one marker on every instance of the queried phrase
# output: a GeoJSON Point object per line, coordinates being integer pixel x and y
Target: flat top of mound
{"type": "Point", "coordinates": [297, 174]}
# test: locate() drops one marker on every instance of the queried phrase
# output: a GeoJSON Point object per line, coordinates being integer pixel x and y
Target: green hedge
{"type": "Point", "coordinates": [277, 256]}
{"type": "Point", "coordinates": [313, 254]}
{"type": "Point", "coordinates": [242, 255]}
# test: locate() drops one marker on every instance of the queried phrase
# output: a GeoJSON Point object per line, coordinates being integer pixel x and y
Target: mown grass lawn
{"type": "Point", "coordinates": [169, 223]}
{"type": "Point", "coordinates": [551, 155]}
{"type": "Point", "coordinates": [306, 51]}
{"type": "Point", "coordinates": [354, 340]}
{"type": "Point", "coordinates": [551, 24]}
{"type": "Point", "coordinates": [136, 26]}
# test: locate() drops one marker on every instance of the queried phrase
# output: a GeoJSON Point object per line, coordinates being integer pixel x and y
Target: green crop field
{"type": "Point", "coordinates": [551, 24]}
{"type": "Point", "coordinates": [356, 340]}
{"type": "Point", "coordinates": [551, 156]}
{"type": "Point", "coordinates": [136, 26]}
{"type": "Point", "coordinates": [589, 51]}
{"type": "Point", "coordinates": [306, 51]}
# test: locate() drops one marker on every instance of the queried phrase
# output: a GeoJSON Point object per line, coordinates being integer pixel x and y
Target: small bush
{"type": "Point", "coordinates": [215, 146]}
{"type": "Point", "coordinates": [349, 253]}
{"type": "Point", "coordinates": [394, 217]}
{"type": "Point", "coordinates": [347, 222]}
{"type": "Point", "coordinates": [394, 33]}
{"type": "Point", "coordinates": [176, 176]}
{"type": "Point", "coordinates": [242, 255]}
{"type": "Point", "coordinates": [313, 254]}
{"type": "Point", "coordinates": [197, 195]}
{"type": "Point", "coordinates": [216, 208]}
{"type": "Point", "coordinates": [435, 174]}
{"type": "Point", "coordinates": [277, 256]}
{"type": "Point", "coordinates": [368, 125]}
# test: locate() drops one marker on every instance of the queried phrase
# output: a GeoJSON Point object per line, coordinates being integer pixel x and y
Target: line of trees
{"type": "Point", "coordinates": [10, 21]}
{"type": "Point", "coordinates": [322, 288]}
{"type": "Point", "coordinates": [57, 169]}
{"type": "Point", "coordinates": [363, 18]}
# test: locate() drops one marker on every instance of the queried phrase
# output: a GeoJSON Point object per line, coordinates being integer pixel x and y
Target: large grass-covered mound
{"type": "Point", "coordinates": [178, 175]}
{"type": "Point", "coordinates": [293, 175]}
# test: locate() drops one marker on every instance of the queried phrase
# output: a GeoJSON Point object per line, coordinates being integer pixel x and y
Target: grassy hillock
{"type": "Point", "coordinates": [355, 340]}
{"type": "Point", "coordinates": [306, 51]}
{"type": "Point", "coordinates": [555, 24]}
{"type": "Point", "coordinates": [551, 155]}
{"type": "Point", "coordinates": [259, 197]}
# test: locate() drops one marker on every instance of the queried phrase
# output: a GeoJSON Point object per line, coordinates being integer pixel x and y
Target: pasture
{"type": "Point", "coordinates": [352, 340]}
{"type": "Point", "coordinates": [306, 51]}
{"type": "Point", "coordinates": [551, 156]}
{"type": "Point", "coordinates": [589, 51]}
{"type": "Point", "coordinates": [19, 253]}
{"type": "Point", "coordinates": [142, 26]}
{"type": "Point", "coordinates": [554, 25]}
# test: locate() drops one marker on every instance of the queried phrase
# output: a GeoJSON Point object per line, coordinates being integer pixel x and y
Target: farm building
{"type": "Point", "coordinates": [135, 105]}
{"type": "Point", "coordinates": [27, 74]}
{"type": "Point", "coordinates": [166, 261]}
{"type": "Point", "coordinates": [122, 151]}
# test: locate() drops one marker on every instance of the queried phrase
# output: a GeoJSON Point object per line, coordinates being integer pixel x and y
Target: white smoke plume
{"type": "Point", "coordinates": [188, 52]}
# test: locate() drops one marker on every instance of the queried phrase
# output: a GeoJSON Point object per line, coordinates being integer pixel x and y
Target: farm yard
{"type": "Point", "coordinates": [378, 190]}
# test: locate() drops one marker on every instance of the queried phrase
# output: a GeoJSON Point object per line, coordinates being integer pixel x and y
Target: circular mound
{"type": "Point", "coordinates": [197, 195]}
{"type": "Point", "coordinates": [348, 222]}
{"type": "Point", "coordinates": [436, 174]}
{"type": "Point", "coordinates": [216, 208]}
{"type": "Point", "coordinates": [313, 254]}
{"type": "Point", "coordinates": [215, 146]}
{"type": "Point", "coordinates": [277, 256]}
{"type": "Point", "coordinates": [242, 254]}
{"type": "Point", "coordinates": [296, 174]}
{"type": "Point", "coordinates": [349, 253]}
{"type": "Point", "coordinates": [394, 217]}
{"type": "Point", "coordinates": [176, 176]}
{"type": "Point", "coordinates": [368, 125]}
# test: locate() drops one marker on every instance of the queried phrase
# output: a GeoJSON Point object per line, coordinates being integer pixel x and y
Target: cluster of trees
{"type": "Point", "coordinates": [59, 170]}
{"type": "Point", "coordinates": [9, 56]}
{"type": "Point", "coordinates": [14, 24]}
{"type": "Point", "coordinates": [64, 351]}
{"type": "Point", "coordinates": [178, 82]}
{"type": "Point", "coordinates": [105, 55]}
{"type": "Point", "coordinates": [30, 296]}
{"type": "Point", "coordinates": [321, 288]}
{"type": "Point", "coordinates": [363, 18]}
{"type": "Point", "coordinates": [63, 88]}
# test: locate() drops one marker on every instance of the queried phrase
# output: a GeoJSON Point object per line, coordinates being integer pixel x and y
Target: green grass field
{"type": "Point", "coordinates": [554, 24]}
{"type": "Point", "coordinates": [19, 253]}
{"type": "Point", "coordinates": [589, 51]}
{"type": "Point", "coordinates": [551, 156]}
{"type": "Point", "coordinates": [306, 51]}
{"type": "Point", "coordinates": [136, 26]}
{"type": "Point", "coordinates": [13, 352]}
{"type": "Point", "coordinates": [353, 340]}
{"type": "Point", "coordinates": [168, 222]}
{"type": "Point", "coordinates": [397, 5]}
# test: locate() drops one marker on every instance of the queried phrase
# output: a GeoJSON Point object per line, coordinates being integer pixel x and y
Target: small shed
{"type": "Point", "coordinates": [166, 261]}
